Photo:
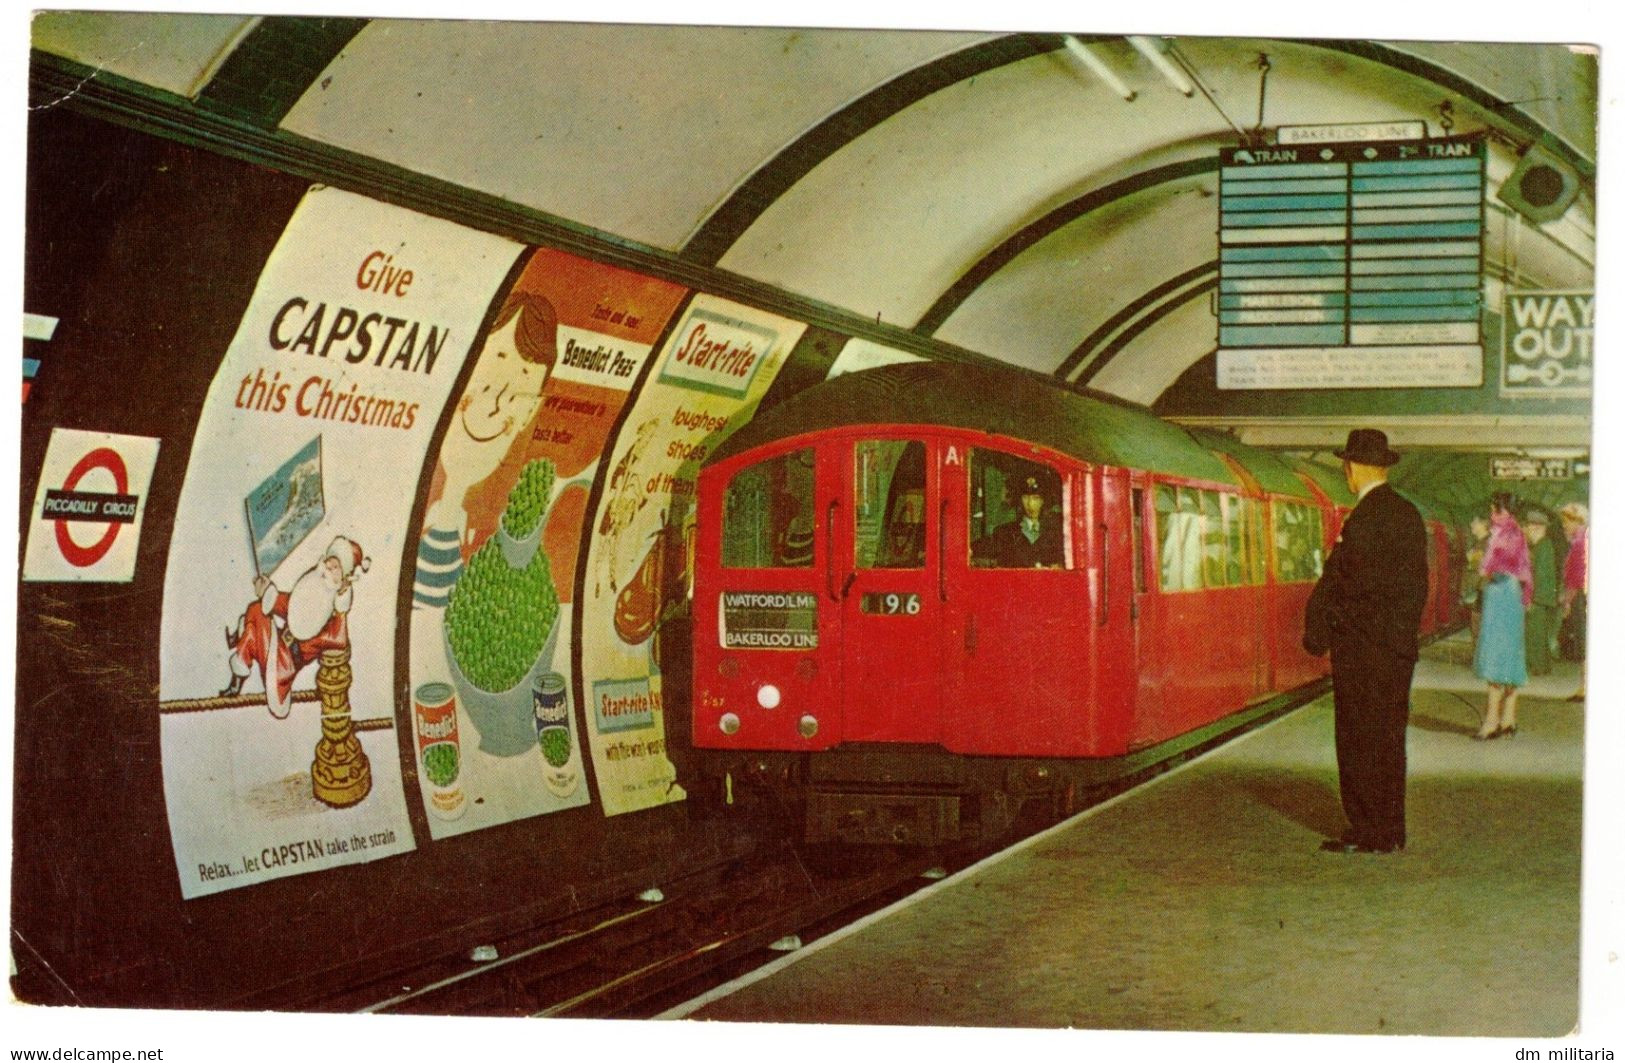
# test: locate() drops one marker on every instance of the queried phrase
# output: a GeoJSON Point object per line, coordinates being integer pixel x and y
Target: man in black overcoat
{"type": "Point", "coordinates": [1367, 609]}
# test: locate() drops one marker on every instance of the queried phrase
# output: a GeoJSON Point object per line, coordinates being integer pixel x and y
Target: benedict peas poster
{"type": "Point", "coordinates": [277, 649]}
{"type": "Point", "coordinates": [717, 363]}
{"type": "Point", "coordinates": [496, 719]}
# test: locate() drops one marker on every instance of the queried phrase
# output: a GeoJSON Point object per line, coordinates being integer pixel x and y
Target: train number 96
{"type": "Point", "coordinates": [889, 603]}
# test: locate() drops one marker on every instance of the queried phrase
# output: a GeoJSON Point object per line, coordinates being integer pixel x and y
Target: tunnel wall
{"type": "Point", "coordinates": [180, 843]}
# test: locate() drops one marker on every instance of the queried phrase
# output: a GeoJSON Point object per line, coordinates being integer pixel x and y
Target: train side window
{"type": "Point", "coordinates": [1256, 562]}
{"type": "Point", "coordinates": [1235, 528]}
{"type": "Point", "coordinates": [767, 514]}
{"type": "Point", "coordinates": [889, 503]}
{"type": "Point", "coordinates": [1003, 532]}
{"type": "Point", "coordinates": [1214, 546]}
{"type": "Point", "coordinates": [1298, 539]}
{"type": "Point", "coordinates": [1317, 540]}
{"type": "Point", "coordinates": [1179, 538]}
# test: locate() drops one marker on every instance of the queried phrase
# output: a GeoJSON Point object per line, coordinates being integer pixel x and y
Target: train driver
{"type": "Point", "coordinates": [1032, 540]}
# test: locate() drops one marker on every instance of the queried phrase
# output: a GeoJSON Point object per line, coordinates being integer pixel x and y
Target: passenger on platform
{"type": "Point", "coordinates": [1508, 590]}
{"type": "Point", "coordinates": [1031, 540]}
{"type": "Point", "coordinates": [1471, 588]}
{"type": "Point", "coordinates": [1540, 622]}
{"type": "Point", "coordinates": [1367, 610]}
{"type": "Point", "coordinates": [1571, 637]}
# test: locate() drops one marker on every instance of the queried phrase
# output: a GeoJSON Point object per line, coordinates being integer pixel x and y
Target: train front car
{"type": "Point", "coordinates": [926, 595]}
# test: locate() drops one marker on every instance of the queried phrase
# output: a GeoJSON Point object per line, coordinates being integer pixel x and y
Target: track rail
{"type": "Point", "coordinates": [640, 956]}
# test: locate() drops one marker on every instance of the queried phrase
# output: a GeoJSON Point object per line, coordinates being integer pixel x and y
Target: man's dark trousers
{"type": "Point", "coordinates": [1371, 703]}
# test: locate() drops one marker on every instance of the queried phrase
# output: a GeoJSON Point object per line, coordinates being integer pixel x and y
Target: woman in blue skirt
{"type": "Point", "coordinates": [1508, 588]}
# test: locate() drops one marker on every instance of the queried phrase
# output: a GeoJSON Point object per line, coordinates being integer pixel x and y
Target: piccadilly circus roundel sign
{"type": "Point", "coordinates": [86, 520]}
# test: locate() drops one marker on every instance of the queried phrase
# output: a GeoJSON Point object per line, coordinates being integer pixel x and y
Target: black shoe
{"type": "Point", "coordinates": [1349, 845]}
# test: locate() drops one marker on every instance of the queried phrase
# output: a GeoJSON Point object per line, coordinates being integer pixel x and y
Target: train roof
{"type": "Point", "coordinates": [1273, 472]}
{"type": "Point", "coordinates": [1332, 482]}
{"type": "Point", "coordinates": [1327, 479]}
{"type": "Point", "coordinates": [1003, 402]}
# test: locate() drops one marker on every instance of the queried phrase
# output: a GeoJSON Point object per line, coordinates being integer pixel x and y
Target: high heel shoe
{"type": "Point", "coordinates": [1485, 736]}
{"type": "Point", "coordinates": [1505, 732]}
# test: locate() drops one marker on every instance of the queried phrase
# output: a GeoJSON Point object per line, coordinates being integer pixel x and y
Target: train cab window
{"type": "Point", "coordinates": [889, 503]}
{"type": "Point", "coordinates": [1298, 542]}
{"type": "Point", "coordinates": [767, 516]}
{"type": "Point", "coordinates": [1018, 511]}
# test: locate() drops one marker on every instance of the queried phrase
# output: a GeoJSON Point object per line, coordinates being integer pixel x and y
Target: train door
{"type": "Point", "coordinates": [767, 673]}
{"type": "Point", "coordinates": [1118, 588]}
{"type": "Point", "coordinates": [888, 567]}
{"type": "Point", "coordinates": [1016, 642]}
{"type": "Point", "coordinates": [1244, 524]}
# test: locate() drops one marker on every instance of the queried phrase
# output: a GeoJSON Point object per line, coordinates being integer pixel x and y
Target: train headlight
{"type": "Point", "coordinates": [809, 726]}
{"type": "Point", "coordinates": [729, 723]}
{"type": "Point", "coordinates": [768, 696]}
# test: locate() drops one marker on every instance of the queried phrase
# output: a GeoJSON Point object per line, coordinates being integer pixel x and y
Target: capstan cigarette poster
{"type": "Point", "coordinates": [279, 724]}
{"type": "Point", "coordinates": [496, 717]}
{"type": "Point", "coordinates": [716, 365]}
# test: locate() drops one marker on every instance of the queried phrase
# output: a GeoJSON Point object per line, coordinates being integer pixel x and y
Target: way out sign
{"type": "Point", "coordinates": [87, 512]}
{"type": "Point", "coordinates": [1546, 342]}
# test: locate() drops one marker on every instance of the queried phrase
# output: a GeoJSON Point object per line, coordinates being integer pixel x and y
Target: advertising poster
{"type": "Point", "coordinates": [86, 519]}
{"type": "Point", "coordinates": [277, 666]}
{"type": "Point", "coordinates": [498, 736]}
{"type": "Point", "coordinates": [716, 365]}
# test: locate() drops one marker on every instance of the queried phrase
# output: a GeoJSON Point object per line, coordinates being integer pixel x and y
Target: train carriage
{"type": "Point", "coordinates": [865, 634]}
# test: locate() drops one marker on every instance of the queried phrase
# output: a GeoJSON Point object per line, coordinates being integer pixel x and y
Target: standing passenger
{"type": "Point", "coordinates": [1540, 622]}
{"type": "Point", "coordinates": [1509, 587]}
{"type": "Point", "coordinates": [1367, 609]}
{"type": "Point", "coordinates": [1471, 592]}
{"type": "Point", "coordinates": [1572, 638]}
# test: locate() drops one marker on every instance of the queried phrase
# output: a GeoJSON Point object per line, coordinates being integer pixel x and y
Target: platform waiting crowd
{"type": "Point", "coordinates": [1527, 609]}
{"type": "Point", "coordinates": [1366, 609]}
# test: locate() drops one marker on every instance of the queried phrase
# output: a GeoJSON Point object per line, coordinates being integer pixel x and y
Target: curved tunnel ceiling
{"type": "Point", "coordinates": [986, 190]}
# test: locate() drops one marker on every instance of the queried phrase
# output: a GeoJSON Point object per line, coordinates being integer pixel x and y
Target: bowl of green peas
{"type": "Point", "coordinates": [520, 531]}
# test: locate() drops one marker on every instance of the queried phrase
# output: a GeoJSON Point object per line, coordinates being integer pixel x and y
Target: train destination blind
{"type": "Point", "coordinates": [1351, 265]}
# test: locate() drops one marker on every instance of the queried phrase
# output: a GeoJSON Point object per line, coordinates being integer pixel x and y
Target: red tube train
{"type": "Point", "coordinates": [879, 636]}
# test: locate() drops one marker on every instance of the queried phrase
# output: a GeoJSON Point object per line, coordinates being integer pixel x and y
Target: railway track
{"type": "Point", "coordinates": [637, 957]}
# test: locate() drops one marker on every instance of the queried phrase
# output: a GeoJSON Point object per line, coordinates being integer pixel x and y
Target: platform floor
{"type": "Point", "coordinates": [1201, 902]}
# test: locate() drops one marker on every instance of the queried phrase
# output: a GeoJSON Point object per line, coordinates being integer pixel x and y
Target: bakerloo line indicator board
{"type": "Point", "coordinates": [1351, 265]}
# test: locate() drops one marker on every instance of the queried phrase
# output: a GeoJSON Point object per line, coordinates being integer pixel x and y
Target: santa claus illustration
{"type": "Point", "coordinates": [284, 631]}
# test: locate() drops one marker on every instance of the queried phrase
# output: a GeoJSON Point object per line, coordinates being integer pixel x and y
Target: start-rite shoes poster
{"type": "Point", "coordinates": [716, 365]}
{"type": "Point", "coordinates": [280, 750]}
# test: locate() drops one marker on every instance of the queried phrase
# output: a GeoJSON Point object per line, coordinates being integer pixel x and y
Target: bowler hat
{"type": "Point", "coordinates": [1367, 446]}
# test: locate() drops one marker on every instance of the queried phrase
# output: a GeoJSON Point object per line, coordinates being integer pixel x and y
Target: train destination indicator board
{"type": "Point", "coordinates": [1353, 265]}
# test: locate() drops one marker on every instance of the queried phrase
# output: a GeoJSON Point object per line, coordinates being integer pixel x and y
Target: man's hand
{"type": "Point", "coordinates": [260, 585]}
